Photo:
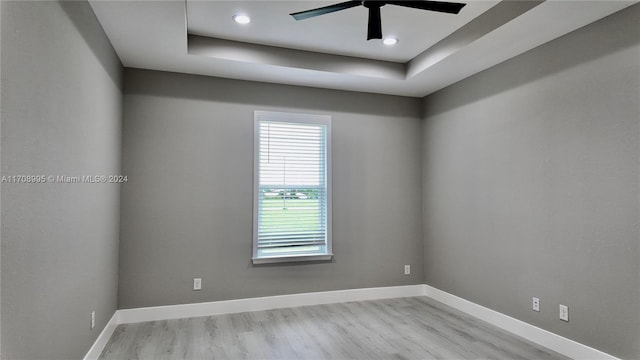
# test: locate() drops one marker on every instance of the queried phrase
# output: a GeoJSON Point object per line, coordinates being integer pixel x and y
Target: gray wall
{"type": "Point", "coordinates": [61, 115]}
{"type": "Point", "coordinates": [531, 187]}
{"type": "Point", "coordinates": [0, 185]}
{"type": "Point", "coordinates": [187, 208]}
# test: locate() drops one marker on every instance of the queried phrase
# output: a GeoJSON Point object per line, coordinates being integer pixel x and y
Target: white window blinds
{"type": "Point", "coordinates": [292, 200]}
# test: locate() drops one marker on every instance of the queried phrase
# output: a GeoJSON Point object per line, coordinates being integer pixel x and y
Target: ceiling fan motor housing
{"type": "Point", "coordinates": [371, 4]}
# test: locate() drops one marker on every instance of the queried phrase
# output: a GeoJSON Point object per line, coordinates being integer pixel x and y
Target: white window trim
{"type": "Point", "coordinates": [295, 118]}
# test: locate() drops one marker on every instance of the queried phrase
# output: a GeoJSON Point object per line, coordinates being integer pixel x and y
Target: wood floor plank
{"type": "Point", "coordinates": [402, 328]}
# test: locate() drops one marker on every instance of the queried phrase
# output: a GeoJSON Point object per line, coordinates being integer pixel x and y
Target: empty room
{"type": "Point", "coordinates": [186, 179]}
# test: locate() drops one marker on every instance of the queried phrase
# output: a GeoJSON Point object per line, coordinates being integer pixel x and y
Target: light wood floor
{"type": "Point", "coordinates": [404, 328]}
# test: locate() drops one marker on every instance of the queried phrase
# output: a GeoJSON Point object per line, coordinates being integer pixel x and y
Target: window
{"type": "Point", "coordinates": [292, 187]}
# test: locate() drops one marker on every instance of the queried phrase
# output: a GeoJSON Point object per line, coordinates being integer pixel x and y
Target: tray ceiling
{"type": "Point", "coordinates": [331, 51]}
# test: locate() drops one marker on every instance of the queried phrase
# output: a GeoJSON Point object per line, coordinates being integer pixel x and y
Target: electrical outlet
{"type": "Point", "coordinates": [407, 269]}
{"type": "Point", "coordinates": [536, 304]}
{"type": "Point", "coordinates": [93, 319]}
{"type": "Point", "coordinates": [564, 312]}
{"type": "Point", "coordinates": [197, 284]}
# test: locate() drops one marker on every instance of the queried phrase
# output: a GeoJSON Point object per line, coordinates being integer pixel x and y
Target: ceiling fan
{"type": "Point", "coordinates": [374, 30]}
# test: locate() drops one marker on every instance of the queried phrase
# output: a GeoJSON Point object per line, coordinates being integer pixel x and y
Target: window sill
{"type": "Point", "coordinates": [291, 258]}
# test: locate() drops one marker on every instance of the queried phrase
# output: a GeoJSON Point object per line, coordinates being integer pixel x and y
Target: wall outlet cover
{"type": "Point", "coordinates": [407, 269]}
{"type": "Point", "coordinates": [197, 284]}
{"type": "Point", "coordinates": [564, 312]}
{"type": "Point", "coordinates": [536, 304]}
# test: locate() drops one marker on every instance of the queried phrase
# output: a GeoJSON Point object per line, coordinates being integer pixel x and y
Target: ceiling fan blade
{"type": "Point", "coordinates": [301, 15]}
{"type": "Point", "coordinates": [440, 6]}
{"type": "Point", "coordinates": [374, 30]}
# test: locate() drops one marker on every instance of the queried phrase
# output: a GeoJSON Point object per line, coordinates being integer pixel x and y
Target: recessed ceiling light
{"type": "Point", "coordinates": [241, 19]}
{"type": "Point", "coordinates": [390, 41]}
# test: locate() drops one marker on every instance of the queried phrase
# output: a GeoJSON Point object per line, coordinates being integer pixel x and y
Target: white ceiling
{"type": "Point", "coordinates": [343, 32]}
{"type": "Point", "coordinates": [331, 51]}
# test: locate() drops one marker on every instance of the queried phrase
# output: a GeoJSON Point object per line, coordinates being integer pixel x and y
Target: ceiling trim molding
{"type": "Point", "coordinates": [484, 24]}
{"type": "Point", "coordinates": [293, 58]}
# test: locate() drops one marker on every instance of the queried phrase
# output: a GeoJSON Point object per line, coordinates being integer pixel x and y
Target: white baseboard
{"type": "Point", "coordinates": [264, 303]}
{"type": "Point", "coordinates": [542, 337]}
{"type": "Point", "coordinates": [103, 338]}
{"type": "Point", "coordinates": [532, 333]}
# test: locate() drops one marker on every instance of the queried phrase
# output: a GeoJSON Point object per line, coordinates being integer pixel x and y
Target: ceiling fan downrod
{"type": "Point", "coordinates": [374, 29]}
